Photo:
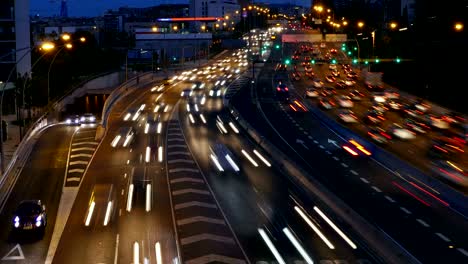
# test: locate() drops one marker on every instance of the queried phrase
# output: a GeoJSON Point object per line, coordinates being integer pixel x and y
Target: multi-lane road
{"type": "Point", "coordinates": [188, 185]}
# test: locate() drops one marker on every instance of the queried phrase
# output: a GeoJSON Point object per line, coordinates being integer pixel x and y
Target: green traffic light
{"type": "Point", "coordinates": [366, 62]}
{"type": "Point", "coordinates": [355, 61]}
{"type": "Point", "coordinates": [344, 44]}
{"type": "Point", "coordinates": [277, 46]}
{"type": "Point", "coordinates": [334, 61]}
{"type": "Point", "coordinates": [377, 60]}
{"type": "Point", "coordinates": [343, 48]}
{"type": "Point", "coordinates": [398, 60]}
{"type": "Point", "coordinates": [313, 61]}
{"type": "Point", "coordinates": [349, 52]}
{"type": "Point", "coordinates": [287, 61]}
{"type": "Point", "coordinates": [355, 48]}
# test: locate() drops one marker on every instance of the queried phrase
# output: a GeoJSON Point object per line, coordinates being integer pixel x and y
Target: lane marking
{"type": "Point", "coordinates": [16, 253]}
{"type": "Point", "coordinates": [183, 169]}
{"type": "Point", "coordinates": [315, 141]}
{"type": "Point", "coordinates": [76, 170]}
{"type": "Point", "coordinates": [464, 252]}
{"type": "Point", "coordinates": [177, 146]}
{"type": "Point", "coordinates": [354, 172]}
{"type": "Point", "coordinates": [85, 143]}
{"type": "Point", "coordinates": [178, 153]}
{"type": "Point", "coordinates": [81, 155]}
{"type": "Point", "coordinates": [376, 189]}
{"type": "Point", "coordinates": [405, 210]}
{"type": "Point", "coordinates": [73, 179]}
{"type": "Point", "coordinates": [321, 146]}
{"type": "Point", "coordinates": [186, 179]}
{"type": "Point", "coordinates": [82, 162]}
{"type": "Point", "coordinates": [195, 219]}
{"type": "Point", "coordinates": [446, 239]}
{"type": "Point", "coordinates": [199, 237]}
{"type": "Point", "coordinates": [364, 180]}
{"type": "Point", "coordinates": [272, 247]}
{"type": "Point", "coordinates": [310, 137]}
{"type": "Point", "coordinates": [422, 222]}
{"type": "Point", "coordinates": [390, 199]}
{"type": "Point", "coordinates": [336, 158]}
{"type": "Point", "coordinates": [83, 148]}
{"type": "Point", "coordinates": [181, 160]}
{"type": "Point", "coordinates": [116, 251]}
{"type": "Point", "coordinates": [194, 203]}
{"type": "Point", "coordinates": [190, 190]}
{"type": "Point", "coordinates": [328, 152]}
{"type": "Point", "coordinates": [344, 165]}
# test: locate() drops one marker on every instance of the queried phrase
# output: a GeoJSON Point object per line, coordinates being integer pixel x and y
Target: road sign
{"type": "Point", "coordinates": [16, 253]}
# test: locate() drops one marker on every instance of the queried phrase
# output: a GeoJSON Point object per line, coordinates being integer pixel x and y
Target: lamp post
{"type": "Point", "coordinates": [68, 46]}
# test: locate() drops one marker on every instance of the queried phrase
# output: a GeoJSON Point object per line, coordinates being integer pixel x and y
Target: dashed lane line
{"type": "Point", "coordinates": [364, 180]}
{"type": "Point", "coordinates": [405, 210]}
{"type": "Point", "coordinates": [446, 239]}
{"type": "Point", "coordinates": [422, 222]}
{"type": "Point", "coordinates": [344, 165]}
{"type": "Point", "coordinates": [181, 160]}
{"type": "Point", "coordinates": [321, 146]}
{"type": "Point", "coordinates": [464, 252]}
{"type": "Point", "coordinates": [205, 236]}
{"type": "Point", "coordinates": [336, 158]}
{"type": "Point", "coordinates": [354, 172]}
{"type": "Point", "coordinates": [183, 169]}
{"type": "Point", "coordinates": [190, 190]}
{"type": "Point", "coordinates": [389, 198]}
{"type": "Point", "coordinates": [375, 188]}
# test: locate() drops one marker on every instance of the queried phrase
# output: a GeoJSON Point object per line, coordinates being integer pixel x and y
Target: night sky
{"type": "Point", "coordinates": [77, 8]}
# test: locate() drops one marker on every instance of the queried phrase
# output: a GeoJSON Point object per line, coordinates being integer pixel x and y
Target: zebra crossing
{"type": "Point", "coordinates": [203, 233]}
{"type": "Point", "coordinates": [82, 149]}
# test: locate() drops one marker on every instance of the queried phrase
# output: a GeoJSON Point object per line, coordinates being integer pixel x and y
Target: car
{"type": "Point", "coordinates": [308, 68]}
{"type": "Point", "coordinates": [438, 122]}
{"type": "Point", "coordinates": [312, 93]}
{"type": "Point", "coordinates": [332, 67]}
{"type": "Point", "coordinates": [186, 92]}
{"type": "Point", "coordinates": [317, 83]}
{"type": "Point", "coordinates": [323, 45]}
{"type": "Point", "coordinates": [73, 120]}
{"type": "Point", "coordinates": [335, 73]}
{"type": "Point", "coordinates": [329, 91]}
{"type": "Point", "coordinates": [379, 107]}
{"type": "Point", "coordinates": [311, 75]}
{"type": "Point", "coordinates": [422, 106]}
{"type": "Point", "coordinates": [443, 147]}
{"type": "Point", "coordinates": [352, 75]}
{"type": "Point", "coordinates": [349, 82]}
{"type": "Point", "coordinates": [450, 170]}
{"type": "Point", "coordinates": [379, 135]}
{"type": "Point", "coordinates": [198, 85]}
{"type": "Point", "coordinates": [401, 132]}
{"type": "Point", "coordinates": [282, 92]}
{"type": "Point", "coordinates": [281, 67]}
{"type": "Point", "coordinates": [392, 95]}
{"type": "Point", "coordinates": [356, 95]}
{"type": "Point", "coordinates": [373, 117]}
{"type": "Point", "coordinates": [345, 101]}
{"type": "Point", "coordinates": [347, 116]}
{"type": "Point", "coordinates": [330, 78]}
{"type": "Point", "coordinates": [333, 51]}
{"type": "Point", "coordinates": [394, 105]}
{"type": "Point", "coordinates": [157, 88]}
{"type": "Point", "coordinates": [305, 63]}
{"type": "Point", "coordinates": [326, 103]}
{"type": "Point", "coordinates": [30, 216]}
{"type": "Point", "coordinates": [416, 126]}
{"type": "Point", "coordinates": [88, 118]}
{"type": "Point", "coordinates": [454, 119]}
{"type": "Point", "coordinates": [341, 84]}
{"type": "Point", "coordinates": [215, 91]}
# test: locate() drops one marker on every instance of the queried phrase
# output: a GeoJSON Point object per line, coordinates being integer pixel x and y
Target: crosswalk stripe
{"type": "Point", "coordinates": [176, 146]}
{"type": "Point", "coordinates": [196, 219]}
{"type": "Point", "coordinates": [186, 179]}
{"type": "Point", "coordinates": [190, 190]}
{"type": "Point", "coordinates": [80, 149]}
{"type": "Point", "coordinates": [194, 203]}
{"type": "Point", "coordinates": [175, 139]}
{"type": "Point", "coordinates": [214, 258]}
{"type": "Point", "coordinates": [81, 155]}
{"type": "Point", "coordinates": [76, 170]}
{"type": "Point", "coordinates": [183, 169]}
{"type": "Point", "coordinates": [178, 153]}
{"type": "Point", "coordinates": [78, 162]}
{"type": "Point", "coordinates": [181, 160]}
{"type": "Point", "coordinates": [73, 179]}
{"type": "Point", "coordinates": [85, 143]}
{"type": "Point", "coordinates": [197, 238]}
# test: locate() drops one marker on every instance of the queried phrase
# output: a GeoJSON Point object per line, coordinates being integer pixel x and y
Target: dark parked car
{"type": "Point", "coordinates": [30, 215]}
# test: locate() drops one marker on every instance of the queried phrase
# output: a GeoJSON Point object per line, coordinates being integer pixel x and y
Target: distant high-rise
{"type": "Point", "coordinates": [63, 9]}
{"type": "Point", "coordinates": [15, 39]}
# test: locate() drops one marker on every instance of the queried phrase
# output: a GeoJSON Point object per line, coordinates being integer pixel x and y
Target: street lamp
{"type": "Point", "coordinates": [458, 26]}
{"type": "Point", "coordinates": [68, 46]}
{"type": "Point", "coordinates": [66, 37]}
{"type": "Point", "coordinates": [393, 25]}
{"type": "Point", "coordinates": [360, 24]}
{"type": "Point", "coordinates": [83, 39]}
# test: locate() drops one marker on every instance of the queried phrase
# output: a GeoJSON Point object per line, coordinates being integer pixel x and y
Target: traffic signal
{"type": "Point", "coordinates": [287, 61]}
{"type": "Point", "coordinates": [333, 61]}
{"type": "Point", "coordinates": [355, 48]}
{"type": "Point", "coordinates": [377, 60]}
{"type": "Point", "coordinates": [355, 61]}
{"type": "Point", "coordinates": [343, 48]}
{"type": "Point", "coordinates": [277, 46]}
{"type": "Point", "coordinates": [349, 52]}
{"type": "Point", "coordinates": [313, 61]}
{"type": "Point", "coordinates": [398, 60]}
{"type": "Point", "coordinates": [366, 62]}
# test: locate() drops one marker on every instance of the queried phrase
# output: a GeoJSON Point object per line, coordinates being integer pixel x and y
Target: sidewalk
{"type": "Point", "coordinates": [13, 138]}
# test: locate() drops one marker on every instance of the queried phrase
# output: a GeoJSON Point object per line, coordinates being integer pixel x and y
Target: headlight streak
{"type": "Point", "coordinates": [337, 230]}
{"type": "Point", "coordinates": [216, 162]}
{"type": "Point", "coordinates": [249, 158]}
{"type": "Point", "coordinates": [202, 118]}
{"type": "Point", "coordinates": [261, 158]}
{"type": "Point", "coordinates": [130, 198]}
{"type": "Point", "coordinates": [298, 246]}
{"type": "Point", "coordinates": [316, 230]}
{"type": "Point", "coordinates": [115, 141]}
{"type": "Point", "coordinates": [272, 247]}
{"type": "Point", "coordinates": [148, 198]}
{"type": "Point", "coordinates": [108, 213]}
{"type": "Point", "coordinates": [232, 163]}
{"type": "Point", "coordinates": [90, 213]}
{"type": "Point", "coordinates": [234, 127]}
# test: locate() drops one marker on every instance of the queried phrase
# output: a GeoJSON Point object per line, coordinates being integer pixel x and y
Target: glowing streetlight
{"type": "Point", "coordinates": [203, 27]}
{"type": "Point", "coordinates": [68, 46]}
{"type": "Point", "coordinates": [360, 24]}
{"type": "Point", "coordinates": [345, 23]}
{"type": "Point", "coordinates": [175, 27]}
{"type": "Point", "coordinates": [66, 37]}
{"type": "Point", "coordinates": [83, 39]}
{"type": "Point", "coordinates": [154, 29]}
{"type": "Point", "coordinates": [47, 46]}
{"type": "Point", "coordinates": [458, 26]}
{"type": "Point", "coordinates": [226, 17]}
{"type": "Point", "coordinates": [393, 25]}
{"type": "Point", "coordinates": [329, 10]}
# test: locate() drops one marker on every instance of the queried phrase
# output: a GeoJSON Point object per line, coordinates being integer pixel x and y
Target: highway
{"type": "Point", "coordinates": [408, 212]}
{"type": "Point", "coordinates": [42, 177]}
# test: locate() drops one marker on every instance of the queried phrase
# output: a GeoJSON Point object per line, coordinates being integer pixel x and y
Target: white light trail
{"type": "Point", "coordinates": [203, 100]}
{"type": "Point", "coordinates": [234, 127]}
{"type": "Point", "coordinates": [191, 119]}
{"type": "Point", "coordinates": [127, 116]}
{"type": "Point", "coordinates": [148, 197]}
{"type": "Point", "coordinates": [160, 154]}
{"type": "Point", "coordinates": [272, 247]}
{"type": "Point", "coordinates": [188, 108]}
{"type": "Point", "coordinates": [147, 128]}
{"type": "Point", "coordinates": [202, 118]}
{"type": "Point", "coordinates": [90, 213]}
{"type": "Point", "coordinates": [262, 158]}
{"type": "Point", "coordinates": [249, 158]}
{"type": "Point", "coordinates": [222, 127]}
{"type": "Point", "coordinates": [115, 141]}
{"type": "Point", "coordinates": [136, 115]}
{"type": "Point", "coordinates": [337, 230]}
{"type": "Point", "coordinates": [158, 128]}
{"type": "Point", "coordinates": [157, 98]}
{"type": "Point", "coordinates": [298, 246]}
{"type": "Point", "coordinates": [316, 230]}
{"type": "Point", "coordinates": [108, 213]}
{"type": "Point", "coordinates": [148, 154]}
{"type": "Point", "coordinates": [130, 198]}
{"type": "Point", "coordinates": [156, 108]}
{"type": "Point", "coordinates": [196, 107]}
{"type": "Point", "coordinates": [127, 140]}
{"type": "Point", "coordinates": [233, 164]}
{"type": "Point", "coordinates": [136, 253]}
{"type": "Point", "coordinates": [157, 248]}
{"type": "Point", "coordinates": [166, 108]}
{"type": "Point", "coordinates": [216, 162]}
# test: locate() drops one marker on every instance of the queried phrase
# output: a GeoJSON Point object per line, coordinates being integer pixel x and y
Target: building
{"type": "Point", "coordinates": [14, 39]}
{"type": "Point", "coordinates": [213, 8]}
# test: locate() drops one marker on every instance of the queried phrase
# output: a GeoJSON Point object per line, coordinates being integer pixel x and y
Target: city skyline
{"type": "Point", "coordinates": [90, 8]}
